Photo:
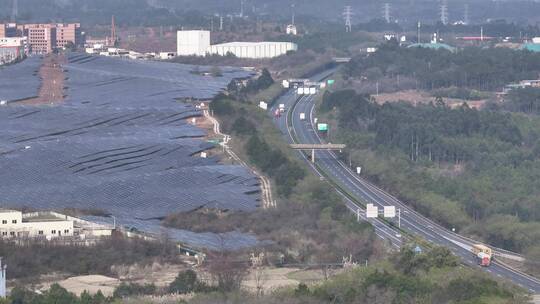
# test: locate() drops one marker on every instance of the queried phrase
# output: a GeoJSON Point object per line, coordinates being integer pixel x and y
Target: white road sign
{"type": "Point", "coordinates": [372, 211]}
{"type": "Point", "coordinates": [389, 211]}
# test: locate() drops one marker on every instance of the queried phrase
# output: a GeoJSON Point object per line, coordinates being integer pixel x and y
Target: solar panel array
{"type": "Point", "coordinates": [21, 80]}
{"type": "Point", "coordinates": [120, 142]}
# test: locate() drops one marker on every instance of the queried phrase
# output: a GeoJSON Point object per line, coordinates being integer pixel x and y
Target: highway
{"type": "Point", "coordinates": [357, 191]}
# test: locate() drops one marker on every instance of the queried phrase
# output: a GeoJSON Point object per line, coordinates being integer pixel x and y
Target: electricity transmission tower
{"type": "Point", "coordinates": [444, 12]}
{"type": "Point", "coordinates": [347, 16]}
{"type": "Point", "coordinates": [386, 12]}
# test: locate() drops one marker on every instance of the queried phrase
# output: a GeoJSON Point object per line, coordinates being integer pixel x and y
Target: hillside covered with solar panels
{"type": "Point", "coordinates": [119, 142]}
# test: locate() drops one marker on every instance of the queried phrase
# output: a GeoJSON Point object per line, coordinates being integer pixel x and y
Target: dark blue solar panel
{"type": "Point", "coordinates": [119, 142]}
{"type": "Point", "coordinates": [21, 80]}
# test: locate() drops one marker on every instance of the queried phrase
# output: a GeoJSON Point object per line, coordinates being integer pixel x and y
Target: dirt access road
{"type": "Point", "coordinates": [52, 76]}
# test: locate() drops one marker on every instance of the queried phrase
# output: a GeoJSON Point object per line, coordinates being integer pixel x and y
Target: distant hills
{"type": "Point", "coordinates": [183, 12]}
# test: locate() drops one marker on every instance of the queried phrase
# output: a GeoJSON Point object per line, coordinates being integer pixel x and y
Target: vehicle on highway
{"type": "Point", "coordinates": [302, 116]}
{"type": "Point", "coordinates": [483, 254]}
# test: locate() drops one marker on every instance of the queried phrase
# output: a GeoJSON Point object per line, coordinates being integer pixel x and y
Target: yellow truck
{"type": "Point", "coordinates": [483, 254]}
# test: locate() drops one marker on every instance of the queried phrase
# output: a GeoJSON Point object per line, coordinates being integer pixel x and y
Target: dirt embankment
{"type": "Point", "coordinates": [415, 97]}
{"type": "Point", "coordinates": [52, 76]}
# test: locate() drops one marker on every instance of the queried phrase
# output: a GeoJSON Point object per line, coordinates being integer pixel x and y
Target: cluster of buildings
{"type": "Point", "coordinates": [105, 50]}
{"type": "Point", "coordinates": [49, 226]}
{"type": "Point", "coordinates": [17, 40]}
{"type": "Point", "coordinates": [197, 43]}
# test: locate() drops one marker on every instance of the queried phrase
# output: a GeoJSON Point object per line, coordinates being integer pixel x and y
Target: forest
{"type": "Point", "coordinates": [475, 68]}
{"type": "Point", "coordinates": [476, 171]}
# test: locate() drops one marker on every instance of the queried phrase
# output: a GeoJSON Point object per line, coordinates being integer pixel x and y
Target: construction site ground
{"type": "Point", "coordinates": [52, 77]}
{"type": "Point", "coordinates": [270, 280]}
{"type": "Point", "coordinates": [415, 97]}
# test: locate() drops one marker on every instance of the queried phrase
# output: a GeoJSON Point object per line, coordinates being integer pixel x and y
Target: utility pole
{"type": "Point", "coordinates": [221, 23]}
{"type": "Point", "coordinates": [293, 14]}
{"type": "Point", "coordinates": [466, 14]}
{"type": "Point", "coordinates": [481, 33]}
{"type": "Point", "coordinates": [14, 11]}
{"type": "Point", "coordinates": [418, 32]}
{"type": "Point", "coordinates": [347, 16]}
{"type": "Point", "coordinates": [113, 32]}
{"type": "Point", "coordinates": [386, 12]}
{"type": "Point", "coordinates": [241, 8]}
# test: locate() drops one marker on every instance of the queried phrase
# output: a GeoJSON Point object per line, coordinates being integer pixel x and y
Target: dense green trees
{"type": "Point", "coordinates": [275, 164]}
{"type": "Point", "coordinates": [483, 69]}
{"type": "Point", "coordinates": [55, 295]}
{"type": "Point", "coordinates": [133, 289]}
{"type": "Point", "coordinates": [431, 132]}
{"type": "Point", "coordinates": [431, 277]}
{"type": "Point", "coordinates": [187, 282]}
{"type": "Point", "coordinates": [525, 100]}
{"type": "Point", "coordinates": [261, 83]}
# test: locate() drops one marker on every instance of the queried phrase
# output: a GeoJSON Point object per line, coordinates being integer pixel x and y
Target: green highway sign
{"type": "Point", "coordinates": [322, 127]}
{"type": "Point", "coordinates": [330, 81]}
{"type": "Point", "coordinates": [213, 141]}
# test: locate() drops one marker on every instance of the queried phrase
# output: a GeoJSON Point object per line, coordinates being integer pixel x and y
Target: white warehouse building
{"type": "Point", "coordinates": [256, 50]}
{"type": "Point", "coordinates": [197, 43]}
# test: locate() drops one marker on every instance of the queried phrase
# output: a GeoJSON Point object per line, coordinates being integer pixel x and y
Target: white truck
{"type": "Point", "coordinates": [281, 108]}
{"type": "Point", "coordinates": [302, 116]}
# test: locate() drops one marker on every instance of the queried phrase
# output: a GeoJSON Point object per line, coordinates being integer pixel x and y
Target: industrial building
{"type": "Point", "coordinates": [8, 30]}
{"type": "Point", "coordinates": [197, 43]}
{"type": "Point", "coordinates": [12, 48]}
{"type": "Point", "coordinates": [192, 43]}
{"type": "Point", "coordinates": [48, 225]}
{"type": "Point", "coordinates": [13, 224]}
{"type": "Point", "coordinates": [255, 50]}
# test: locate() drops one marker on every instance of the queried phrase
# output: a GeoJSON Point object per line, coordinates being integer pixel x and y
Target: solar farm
{"type": "Point", "coordinates": [119, 142]}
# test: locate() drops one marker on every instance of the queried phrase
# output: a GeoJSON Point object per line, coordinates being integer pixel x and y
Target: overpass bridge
{"type": "Point", "coordinates": [314, 147]}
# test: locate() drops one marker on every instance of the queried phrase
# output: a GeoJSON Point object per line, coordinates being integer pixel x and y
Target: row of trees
{"type": "Point", "coordinates": [432, 132]}
{"type": "Point", "coordinates": [484, 69]}
{"type": "Point", "coordinates": [28, 261]}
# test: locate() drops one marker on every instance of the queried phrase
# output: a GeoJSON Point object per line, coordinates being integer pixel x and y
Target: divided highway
{"type": "Point", "coordinates": [357, 191]}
